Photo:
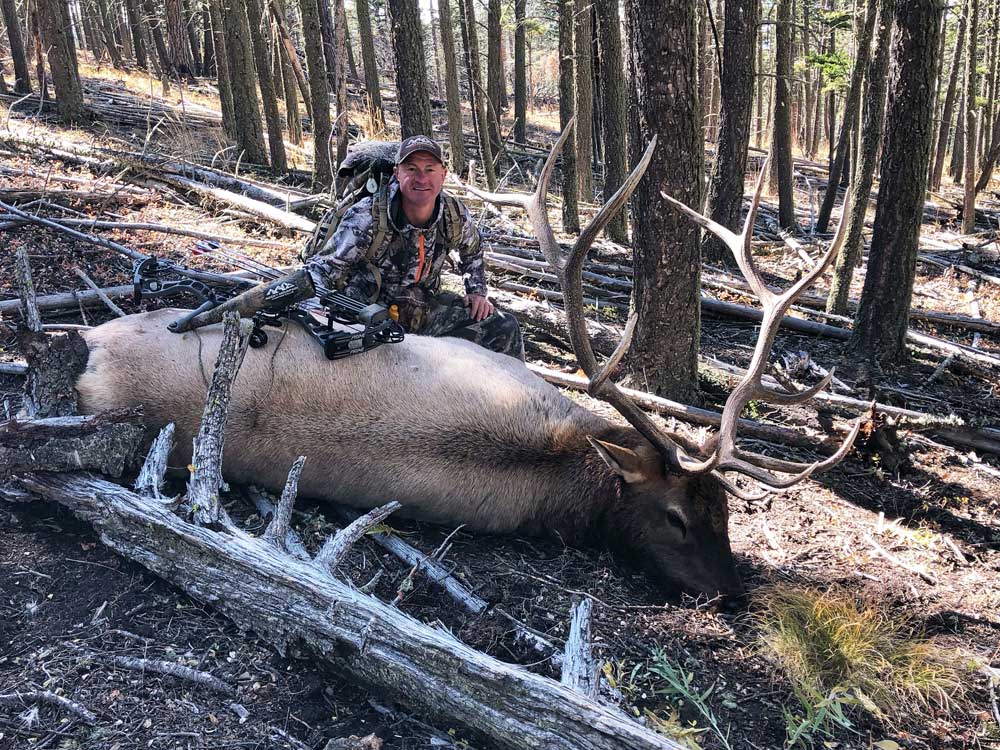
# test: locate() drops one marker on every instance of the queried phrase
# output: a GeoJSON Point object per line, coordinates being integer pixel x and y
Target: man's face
{"type": "Point", "coordinates": [421, 178]}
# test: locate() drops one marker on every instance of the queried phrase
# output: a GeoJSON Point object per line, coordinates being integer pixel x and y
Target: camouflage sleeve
{"type": "Point", "coordinates": [341, 261]}
{"type": "Point", "coordinates": [470, 254]}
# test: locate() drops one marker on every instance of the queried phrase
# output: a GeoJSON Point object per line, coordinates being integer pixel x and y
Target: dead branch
{"type": "Point", "coordinates": [579, 669]}
{"type": "Point", "coordinates": [287, 600]}
{"type": "Point", "coordinates": [337, 547]}
{"type": "Point", "coordinates": [44, 696]}
{"type": "Point", "coordinates": [279, 529]}
{"type": "Point", "coordinates": [99, 292]}
{"type": "Point", "coordinates": [168, 668]}
{"type": "Point", "coordinates": [150, 479]}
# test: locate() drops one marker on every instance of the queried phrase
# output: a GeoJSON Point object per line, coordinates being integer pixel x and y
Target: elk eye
{"type": "Point", "coordinates": [677, 522]}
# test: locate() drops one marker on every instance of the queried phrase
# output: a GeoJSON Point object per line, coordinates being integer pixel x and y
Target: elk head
{"type": "Point", "coordinates": [674, 511]}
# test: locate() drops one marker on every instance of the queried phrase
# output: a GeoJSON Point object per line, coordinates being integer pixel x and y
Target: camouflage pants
{"type": "Point", "coordinates": [447, 315]}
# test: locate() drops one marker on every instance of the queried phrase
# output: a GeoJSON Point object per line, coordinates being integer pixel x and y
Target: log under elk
{"type": "Point", "coordinates": [461, 435]}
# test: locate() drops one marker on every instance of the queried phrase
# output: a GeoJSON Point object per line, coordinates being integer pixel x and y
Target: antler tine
{"type": "Point", "coordinates": [796, 397]}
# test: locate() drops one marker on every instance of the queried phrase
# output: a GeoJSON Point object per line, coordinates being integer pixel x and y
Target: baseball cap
{"type": "Point", "coordinates": [416, 143]}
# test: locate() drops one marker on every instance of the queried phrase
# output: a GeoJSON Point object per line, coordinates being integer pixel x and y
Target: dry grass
{"type": "Point", "coordinates": [834, 642]}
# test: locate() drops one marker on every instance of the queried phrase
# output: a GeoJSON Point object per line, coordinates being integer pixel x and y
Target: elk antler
{"type": "Point", "coordinates": [570, 270]}
{"type": "Point", "coordinates": [727, 456]}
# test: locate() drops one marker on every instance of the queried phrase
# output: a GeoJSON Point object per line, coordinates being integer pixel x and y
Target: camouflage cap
{"type": "Point", "coordinates": [416, 143]}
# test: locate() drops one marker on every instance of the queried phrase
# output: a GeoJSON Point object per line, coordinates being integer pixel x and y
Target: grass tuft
{"type": "Point", "coordinates": [834, 643]}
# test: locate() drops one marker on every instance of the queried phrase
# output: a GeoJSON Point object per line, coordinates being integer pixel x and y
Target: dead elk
{"type": "Point", "coordinates": [459, 434]}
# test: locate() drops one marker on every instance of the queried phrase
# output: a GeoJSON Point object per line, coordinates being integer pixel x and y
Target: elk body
{"type": "Point", "coordinates": [456, 433]}
{"type": "Point", "coordinates": [462, 435]}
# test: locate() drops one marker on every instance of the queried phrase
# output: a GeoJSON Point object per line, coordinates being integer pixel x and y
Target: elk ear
{"type": "Point", "coordinates": [624, 462]}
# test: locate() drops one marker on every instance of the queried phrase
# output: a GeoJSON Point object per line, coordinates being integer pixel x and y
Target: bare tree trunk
{"type": "Point", "coordinates": [613, 115]}
{"type": "Point", "coordinates": [864, 172]}
{"type": "Point", "coordinates": [22, 80]}
{"type": "Point", "coordinates": [494, 75]}
{"type": "Point", "coordinates": [969, 205]}
{"type": "Point", "coordinates": [850, 118]}
{"type": "Point", "coordinates": [881, 322]}
{"type": "Point", "coordinates": [152, 18]}
{"type": "Point", "coordinates": [319, 94]}
{"type": "Point", "coordinates": [454, 98]}
{"type": "Point", "coordinates": [567, 110]}
{"type": "Point", "coordinates": [109, 35]}
{"type": "Point", "coordinates": [180, 55]}
{"type": "Point", "coordinates": [368, 58]}
{"type": "Point", "coordinates": [949, 105]}
{"type": "Point", "coordinates": [411, 70]}
{"type": "Point", "coordinates": [583, 39]}
{"type": "Point", "coordinates": [663, 357]}
{"type": "Point", "coordinates": [189, 24]}
{"type": "Point", "coordinates": [275, 141]}
{"type": "Point", "coordinates": [208, 44]}
{"type": "Point", "coordinates": [781, 143]}
{"type": "Point", "coordinates": [477, 98]}
{"type": "Point", "coordinates": [520, 77]}
{"type": "Point", "coordinates": [340, 39]}
{"type": "Point", "coordinates": [329, 46]}
{"type": "Point", "coordinates": [53, 17]}
{"type": "Point", "coordinates": [242, 81]}
{"type": "Point", "coordinates": [725, 191]}
{"type": "Point", "coordinates": [135, 29]}
{"type": "Point", "coordinates": [222, 68]}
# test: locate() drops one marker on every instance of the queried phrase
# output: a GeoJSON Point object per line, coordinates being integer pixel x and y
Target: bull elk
{"type": "Point", "coordinates": [459, 434]}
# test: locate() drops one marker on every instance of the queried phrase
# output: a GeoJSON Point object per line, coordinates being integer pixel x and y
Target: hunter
{"type": "Point", "coordinates": [390, 248]}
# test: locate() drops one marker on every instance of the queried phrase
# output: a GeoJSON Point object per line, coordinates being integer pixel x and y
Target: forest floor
{"type": "Point", "coordinates": [918, 536]}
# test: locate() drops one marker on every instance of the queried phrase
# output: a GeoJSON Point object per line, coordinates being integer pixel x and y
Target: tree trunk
{"type": "Point", "coordinates": [329, 45]}
{"type": "Point", "coordinates": [181, 63]}
{"type": "Point", "coordinates": [104, 20]}
{"type": "Point", "coordinates": [880, 325]}
{"type": "Point", "coordinates": [352, 66]}
{"type": "Point", "coordinates": [372, 90]}
{"type": "Point", "coordinates": [958, 140]}
{"type": "Point", "coordinates": [725, 191]}
{"type": "Point", "coordinates": [436, 54]}
{"type": "Point", "coordinates": [319, 94]}
{"type": "Point", "coordinates": [583, 38]}
{"type": "Point", "coordinates": [340, 39]}
{"type": "Point", "coordinates": [520, 77]}
{"type": "Point", "coordinates": [275, 141]}
{"type": "Point", "coordinates": [22, 80]}
{"type": "Point", "coordinates": [453, 96]}
{"type": "Point", "coordinates": [971, 159]}
{"type": "Point", "coordinates": [411, 70]}
{"type": "Point", "coordinates": [781, 141]}
{"type": "Point", "coordinates": [135, 29]}
{"type": "Point", "coordinates": [189, 24]}
{"type": "Point", "coordinates": [613, 116]}
{"type": "Point", "coordinates": [567, 110]}
{"type": "Point", "coordinates": [949, 106]}
{"type": "Point", "coordinates": [208, 66]}
{"type": "Point", "coordinates": [54, 21]}
{"type": "Point", "coordinates": [477, 98]}
{"type": "Point", "coordinates": [222, 67]}
{"type": "Point", "coordinates": [242, 81]}
{"type": "Point", "coordinates": [292, 119]}
{"type": "Point", "coordinates": [153, 19]}
{"type": "Point", "coordinates": [864, 173]}
{"type": "Point", "coordinates": [494, 75]}
{"type": "Point", "coordinates": [664, 103]}
{"type": "Point", "coordinates": [849, 120]}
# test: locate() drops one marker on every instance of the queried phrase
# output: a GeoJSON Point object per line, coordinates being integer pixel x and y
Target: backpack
{"type": "Point", "coordinates": [366, 172]}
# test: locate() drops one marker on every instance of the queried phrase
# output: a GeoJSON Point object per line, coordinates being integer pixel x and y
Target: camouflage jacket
{"type": "Point", "coordinates": [342, 262]}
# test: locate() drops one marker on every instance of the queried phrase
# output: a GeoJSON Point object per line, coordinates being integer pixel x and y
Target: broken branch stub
{"type": "Point", "coordinates": [206, 458]}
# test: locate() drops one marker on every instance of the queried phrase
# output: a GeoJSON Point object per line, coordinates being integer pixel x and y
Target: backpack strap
{"type": "Point", "coordinates": [380, 229]}
{"type": "Point", "coordinates": [452, 222]}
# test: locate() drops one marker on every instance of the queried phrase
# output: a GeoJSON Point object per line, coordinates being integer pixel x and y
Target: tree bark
{"type": "Point", "coordinates": [208, 43]}
{"type": "Point", "coordinates": [192, 37]}
{"type": "Point", "coordinates": [583, 35]}
{"type": "Point", "coordinates": [340, 76]}
{"type": "Point", "coordinates": [372, 89]}
{"type": "Point", "coordinates": [453, 97]}
{"type": "Point", "coordinates": [781, 143]}
{"type": "Point", "coordinates": [104, 20]}
{"type": "Point", "coordinates": [567, 110]}
{"type": "Point", "coordinates": [725, 190]}
{"type": "Point", "coordinates": [880, 325]}
{"type": "Point", "coordinates": [477, 97]}
{"type": "Point", "coordinates": [666, 245]}
{"type": "Point", "coordinates": [242, 81]}
{"type": "Point", "coordinates": [135, 29]}
{"type": "Point", "coordinates": [222, 67]}
{"type": "Point", "coordinates": [494, 75]}
{"type": "Point", "coordinates": [949, 107]}
{"type": "Point", "coordinates": [153, 19]}
{"type": "Point", "coordinates": [319, 94]}
{"type": "Point", "coordinates": [864, 173]}
{"type": "Point", "coordinates": [411, 70]}
{"type": "Point", "coordinates": [329, 45]}
{"type": "Point", "coordinates": [849, 120]}
{"type": "Point", "coordinates": [61, 53]}
{"type": "Point", "coordinates": [971, 121]}
{"type": "Point", "coordinates": [275, 141]}
{"type": "Point", "coordinates": [613, 118]}
{"type": "Point", "coordinates": [22, 80]}
{"type": "Point", "coordinates": [520, 71]}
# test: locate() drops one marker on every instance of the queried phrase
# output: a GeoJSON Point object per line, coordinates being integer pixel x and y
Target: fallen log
{"type": "Point", "coordinates": [107, 443]}
{"type": "Point", "coordinates": [289, 601]}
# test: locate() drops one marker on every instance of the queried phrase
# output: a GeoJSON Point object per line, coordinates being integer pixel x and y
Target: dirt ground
{"type": "Point", "coordinates": [68, 606]}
